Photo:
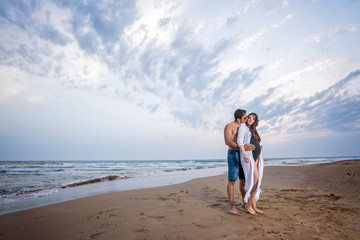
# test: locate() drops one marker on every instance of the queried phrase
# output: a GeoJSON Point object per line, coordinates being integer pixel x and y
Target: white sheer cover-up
{"type": "Point", "coordinates": [244, 136]}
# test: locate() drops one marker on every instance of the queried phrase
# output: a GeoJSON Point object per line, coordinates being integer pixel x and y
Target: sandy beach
{"type": "Point", "coordinates": [300, 202]}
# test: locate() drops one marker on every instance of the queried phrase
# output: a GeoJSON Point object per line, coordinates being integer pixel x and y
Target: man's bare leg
{"type": "Point", "coordinates": [230, 191]}
{"type": "Point", "coordinates": [242, 190]}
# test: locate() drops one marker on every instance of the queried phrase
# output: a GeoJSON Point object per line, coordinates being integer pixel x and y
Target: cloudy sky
{"type": "Point", "coordinates": [160, 79]}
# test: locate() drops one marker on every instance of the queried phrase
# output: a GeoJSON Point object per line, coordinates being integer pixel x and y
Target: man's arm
{"type": "Point", "coordinates": [249, 147]}
{"type": "Point", "coordinates": [229, 141]}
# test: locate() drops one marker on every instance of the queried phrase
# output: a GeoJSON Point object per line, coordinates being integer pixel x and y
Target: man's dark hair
{"type": "Point", "coordinates": [239, 113]}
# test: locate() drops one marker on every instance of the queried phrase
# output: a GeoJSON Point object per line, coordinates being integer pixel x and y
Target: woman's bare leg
{"type": "Point", "coordinates": [253, 191]}
{"type": "Point", "coordinates": [249, 206]}
{"type": "Point", "coordinates": [254, 199]}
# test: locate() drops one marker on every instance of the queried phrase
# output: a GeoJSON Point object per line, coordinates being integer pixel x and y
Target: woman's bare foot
{"type": "Point", "coordinates": [250, 210]}
{"type": "Point", "coordinates": [258, 211]}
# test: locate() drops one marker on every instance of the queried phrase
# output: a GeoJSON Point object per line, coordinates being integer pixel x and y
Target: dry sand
{"type": "Point", "coordinates": [308, 202]}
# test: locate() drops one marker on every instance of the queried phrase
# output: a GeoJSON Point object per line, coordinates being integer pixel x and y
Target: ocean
{"type": "Point", "coordinates": [25, 184]}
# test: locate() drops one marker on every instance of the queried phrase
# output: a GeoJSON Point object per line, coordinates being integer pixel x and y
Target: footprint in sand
{"type": "Point", "coordinates": [222, 199]}
{"type": "Point", "coordinates": [157, 217]}
{"type": "Point", "coordinates": [95, 235]}
{"type": "Point", "coordinates": [215, 205]}
{"type": "Point", "coordinates": [199, 225]}
{"type": "Point", "coordinates": [334, 197]}
{"type": "Point", "coordinates": [142, 230]}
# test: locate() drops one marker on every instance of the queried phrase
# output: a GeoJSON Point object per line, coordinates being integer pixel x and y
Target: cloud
{"type": "Point", "coordinates": [257, 35]}
{"type": "Point", "coordinates": [324, 39]}
{"type": "Point", "coordinates": [334, 109]}
{"type": "Point", "coordinates": [157, 60]}
{"type": "Point", "coordinates": [48, 32]}
{"type": "Point", "coordinates": [17, 12]}
{"type": "Point", "coordinates": [234, 18]}
{"type": "Point", "coordinates": [97, 24]}
{"type": "Point", "coordinates": [237, 80]}
{"type": "Point", "coordinates": [23, 15]}
{"type": "Point", "coordinates": [169, 68]}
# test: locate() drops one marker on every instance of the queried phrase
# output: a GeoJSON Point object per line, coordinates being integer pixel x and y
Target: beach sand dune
{"type": "Point", "coordinates": [300, 202]}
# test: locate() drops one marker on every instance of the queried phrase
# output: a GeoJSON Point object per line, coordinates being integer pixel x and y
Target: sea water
{"type": "Point", "coordinates": [28, 179]}
{"type": "Point", "coordinates": [25, 184]}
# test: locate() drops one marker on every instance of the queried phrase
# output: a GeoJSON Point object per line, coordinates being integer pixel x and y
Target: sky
{"type": "Point", "coordinates": [153, 79]}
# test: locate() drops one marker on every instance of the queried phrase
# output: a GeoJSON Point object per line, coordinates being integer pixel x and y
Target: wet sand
{"type": "Point", "coordinates": [308, 202]}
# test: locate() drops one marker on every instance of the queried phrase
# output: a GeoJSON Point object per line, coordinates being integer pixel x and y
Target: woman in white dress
{"type": "Point", "coordinates": [251, 161]}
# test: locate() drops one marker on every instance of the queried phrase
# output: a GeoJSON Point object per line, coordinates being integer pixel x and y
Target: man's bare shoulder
{"type": "Point", "coordinates": [232, 126]}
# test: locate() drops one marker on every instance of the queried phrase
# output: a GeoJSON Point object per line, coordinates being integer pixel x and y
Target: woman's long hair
{"type": "Point", "coordinates": [253, 127]}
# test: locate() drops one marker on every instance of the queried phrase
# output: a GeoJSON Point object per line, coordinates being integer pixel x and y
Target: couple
{"type": "Point", "coordinates": [244, 160]}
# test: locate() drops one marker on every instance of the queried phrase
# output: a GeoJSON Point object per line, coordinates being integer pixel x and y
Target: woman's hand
{"type": "Point", "coordinates": [246, 158]}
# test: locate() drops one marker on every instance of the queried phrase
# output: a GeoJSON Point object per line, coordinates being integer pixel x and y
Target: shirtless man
{"type": "Point", "coordinates": [234, 166]}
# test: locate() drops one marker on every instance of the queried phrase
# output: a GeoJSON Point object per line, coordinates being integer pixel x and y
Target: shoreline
{"type": "Point", "coordinates": [62, 194]}
{"type": "Point", "coordinates": [71, 193]}
{"type": "Point", "coordinates": [306, 202]}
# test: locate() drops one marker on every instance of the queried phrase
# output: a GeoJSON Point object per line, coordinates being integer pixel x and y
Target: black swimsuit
{"type": "Point", "coordinates": [257, 150]}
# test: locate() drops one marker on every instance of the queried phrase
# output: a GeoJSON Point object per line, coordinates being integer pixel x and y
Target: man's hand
{"type": "Point", "coordinates": [249, 147]}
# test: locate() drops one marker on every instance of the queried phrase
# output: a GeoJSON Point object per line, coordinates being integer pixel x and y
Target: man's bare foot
{"type": "Point", "coordinates": [234, 211]}
{"type": "Point", "coordinates": [250, 210]}
{"type": "Point", "coordinates": [258, 211]}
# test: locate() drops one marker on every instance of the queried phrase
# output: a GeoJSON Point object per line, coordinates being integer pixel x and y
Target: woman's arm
{"type": "Point", "coordinates": [246, 157]}
{"type": "Point", "coordinates": [241, 142]}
